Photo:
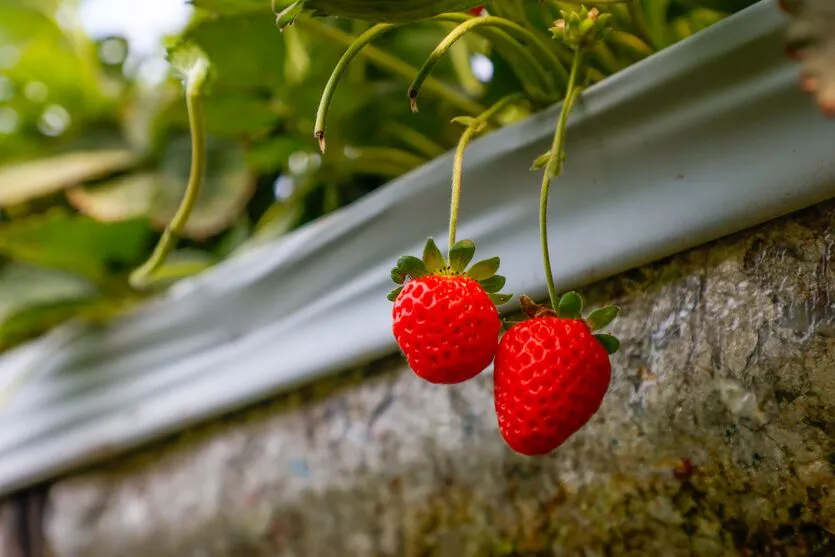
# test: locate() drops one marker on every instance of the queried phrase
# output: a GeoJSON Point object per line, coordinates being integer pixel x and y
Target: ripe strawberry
{"type": "Point", "coordinates": [551, 374]}
{"type": "Point", "coordinates": [477, 11]}
{"type": "Point", "coordinates": [445, 318]}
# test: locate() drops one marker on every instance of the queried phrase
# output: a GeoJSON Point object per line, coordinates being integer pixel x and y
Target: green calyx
{"type": "Point", "coordinates": [570, 306]}
{"type": "Point", "coordinates": [582, 29]}
{"type": "Point", "coordinates": [460, 254]}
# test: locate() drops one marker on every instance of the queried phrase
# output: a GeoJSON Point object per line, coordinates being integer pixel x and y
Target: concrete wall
{"type": "Point", "coordinates": [717, 438]}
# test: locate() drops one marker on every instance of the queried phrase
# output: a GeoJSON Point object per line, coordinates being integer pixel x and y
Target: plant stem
{"type": "Point", "coordinates": [473, 128]}
{"type": "Point", "coordinates": [464, 28]}
{"type": "Point", "coordinates": [392, 64]}
{"type": "Point", "coordinates": [143, 276]}
{"type": "Point", "coordinates": [553, 168]}
{"type": "Point", "coordinates": [504, 30]}
{"type": "Point", "coordinates": [330, 88]}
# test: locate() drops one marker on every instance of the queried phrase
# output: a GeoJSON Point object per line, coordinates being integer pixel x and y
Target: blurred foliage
{"type": "Point", "coordinates": [93, 162]}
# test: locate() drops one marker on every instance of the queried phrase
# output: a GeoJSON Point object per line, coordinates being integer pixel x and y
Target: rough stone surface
{"type": "Point", "coordinates": [717, 438]}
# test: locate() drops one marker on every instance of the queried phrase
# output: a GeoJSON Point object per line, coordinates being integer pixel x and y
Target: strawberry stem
{"type": "Point", "coordinates": [474, 127]}
{"type": "Point", "coordinates": [553, 167]}
{"type": "Point", "coordinates": [143, 276]}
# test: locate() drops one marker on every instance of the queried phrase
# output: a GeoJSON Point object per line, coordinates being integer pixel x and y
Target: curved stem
{"type": "Point", "coordinates": [473, 128]}
{"type": "Point", "coordinates": [392, 64]}
{"type": "Point", "coordinates": [142, 276]}
{"type": "Point", "coordinates": [553, 168]}
{"type": "Point", "coordinates": [502, 27]}
{"type": "Point", "coordinates": [461, 30]}
{"type": "Point", "coordinates": [327, 95]}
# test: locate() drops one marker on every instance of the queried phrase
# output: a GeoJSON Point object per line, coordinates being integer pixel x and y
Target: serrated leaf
{"type": "Point", "coordinates": [599, 318]}
{"type": "Point", "coordinates": [484, 269]}
{"type": "Point", "coordinates": [460, 255]}
{"type": "Point", "coordinates": [500, 299]}
{"type": "Point", "coordinates": [23, 181]}
{"type": "Point", "coordinates": [392, 296]}
{"type": "Point", "coordinates": [432, 257]}
{"type": "Point", "coordinates": [570, 306]}
{"type": "Point", "coordinates": [610, 343]}
{"type": "Point", "coordinates": [493, 284]}
{"type": "Point", "coordinates": [412, 266]}
{"type": "Point", "coordinates": [398, 276]}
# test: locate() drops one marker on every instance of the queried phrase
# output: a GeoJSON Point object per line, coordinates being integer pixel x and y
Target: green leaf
{"type": "Point", "coordinates": [460, 255]}
{"type": "Point", "coordinates": [398, 276]}
{"type": "Point", "coordinates": [500, 299]}
{"type": "Point", "coordinates": [76, 243]}
{"type": "Point", "coordinates": [599, 318]}
{"type": "Point", "coordinates": [432, 257]}
{"type": "Point", "coordinates": [610, 343]}
{"type": "Point", "coordinates": [484, 269]}
{"type": "Point", "coordinates": [23, 285]}
{"type": "Point", "coordinates": [32, 179]}
{"type": "Point", "coordinates": [570, 306]}
{"type": "Point", "coordinates": [34, 299]}
{"type": "Point", "coordinates": [392, 296]}
{"type": "Point", "coordinates": [493, 284]}
{"type": "Point", "coordinates": [412, 266]}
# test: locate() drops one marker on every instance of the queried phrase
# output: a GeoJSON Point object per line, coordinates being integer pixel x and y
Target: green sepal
{"type": "Point", "coordinates": [570, 306]}
{"type": "Point", "coordinates": [460, 255]}
{"type": "Point", "coordinates": [499, 299]}
{"type": "Point", "coordinates": [466, 121]}
{"type": "Point", "coordinates": [433, 259]}
{"type": "Point", "coordinates": [398, 276]}
{"type": "Point", "coordinates": [392, 296]}
{"type": "Point", "coordinates": [493, 284]}
{"type": "Point", "coordinates": [610, 343]}
{"type": "Point", "coordinates": [540, 161]}
{"type": "Point", "coordinates": [484, 269]}
{"type": "Point", "coordinates": [412, 266]}
{"type": "Point", "coordinates": [599, 318]}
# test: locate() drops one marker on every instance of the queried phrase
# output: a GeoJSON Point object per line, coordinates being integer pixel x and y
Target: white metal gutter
{"type": "Point", "coordinates": [701, 140]}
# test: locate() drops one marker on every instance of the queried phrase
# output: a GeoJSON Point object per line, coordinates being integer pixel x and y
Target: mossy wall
{"type": "Point", "coordinates": [717, 438]}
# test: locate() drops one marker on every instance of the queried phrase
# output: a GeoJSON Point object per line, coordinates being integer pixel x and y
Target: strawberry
{"type": "Point", "coordinates": [477, 11]}
{"type": "Point", "coordinates": [445, 319]}
{"type": "Point", "coordinates": [551, 373]}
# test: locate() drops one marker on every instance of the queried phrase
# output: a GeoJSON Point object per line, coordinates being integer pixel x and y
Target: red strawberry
{"type": "Point", "coordinates": [551, 374]}
{"type": "Point", "coordinates": [445, 318]}
{"type": "Point", "coordinates": [477, 11]}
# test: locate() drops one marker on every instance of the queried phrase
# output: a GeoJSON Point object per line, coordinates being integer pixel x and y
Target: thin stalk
{"type": "Point", "coordinates": [453, 36]}
{"type": "Point", "coordinates": [336, 75]}
{"type": "Point", "coordinates": [142, 276]}
{"type": "Point", "coordinates": [553, 168]}
{"type": "Point", "coordinates": [391, 64]}
{"type": "Point", "coordinates": [499, 26]}
{"type": "Point", "coordinates": [474, 127]}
